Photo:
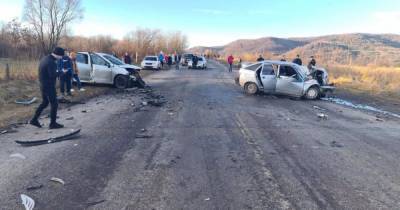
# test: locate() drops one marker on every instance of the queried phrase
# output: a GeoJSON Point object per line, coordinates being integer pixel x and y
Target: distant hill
{"type": "Point", "coordinates": [360, 49]}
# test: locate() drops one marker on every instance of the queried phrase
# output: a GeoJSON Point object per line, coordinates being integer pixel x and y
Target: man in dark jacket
{"type": "Point", "coordinates": [127, 58]}
{"type": "Point", "coordinates": [260, 58]}
{"type": "Point", "coordinates": [47, 78]}
{"type": "Point", "coordinates": [298, 60]}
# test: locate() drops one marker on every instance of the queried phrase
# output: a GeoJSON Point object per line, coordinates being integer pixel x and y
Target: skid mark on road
{"type": "Point", "coordinates": [274, 194]}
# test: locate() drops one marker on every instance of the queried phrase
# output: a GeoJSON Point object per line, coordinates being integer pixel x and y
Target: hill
{"type": "Point", "coordinates": [360, 49]}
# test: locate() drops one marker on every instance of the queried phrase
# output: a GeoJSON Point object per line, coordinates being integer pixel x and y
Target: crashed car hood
{"type": "Point", "coordinates": [130, 66]}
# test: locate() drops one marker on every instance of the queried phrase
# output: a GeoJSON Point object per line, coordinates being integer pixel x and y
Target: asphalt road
{"type": "Point", "coordinates": [209, 147]}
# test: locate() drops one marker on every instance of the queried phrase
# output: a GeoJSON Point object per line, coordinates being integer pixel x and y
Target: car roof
{"type": "Point", "coordinates": [276, 62]}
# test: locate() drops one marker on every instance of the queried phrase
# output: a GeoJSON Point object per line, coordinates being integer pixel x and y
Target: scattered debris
{"type": "Point", "coordinates": [144, 103]}
{"type": "Point", "coordinates": [319, 108]}
{"type": "Point", "coordinates": [36, 187]}
{"type": "Point", "coordinates": [69, 118]}
{"type": "Point", "coordinates": [84, 111]}
{"type": "Point", "coordinates": [64, 101]}
{"type": "Point", "coordinates": [143, 136]}
{"type": "Point", "coordinates": [157, 102]}
{"type": "Point", "coordinates": [170, 113]}
{"type": "Point", "coordinates": [336, 144]}
{"type": "Point", "coordinates": [143, 130]}
{"type": "Point", "coordinates": [207, 199]}
{"type": "Point", "coordinates": [75, 145]}
{"type": "Point", "coordinates": [28, 202]}
{"type": "Point", "coordinates": [131, 89]}
{"type": "Point", "coordinates": [54, 179]}
{"type": "Point", "coordinates": [322, 116]}
{"type": "Point", "coordinates": [18, 155]}
{"type": "Point", "coordinates": [26, 102]}
{"type": "Point", "coordinates": [4, 132]}
{"type": "Point", "coordinates": [379, 119]}
{"type": "Point", "coordinates": [95, 203]}
{"type": "Point", "coordinates": [178, 157]}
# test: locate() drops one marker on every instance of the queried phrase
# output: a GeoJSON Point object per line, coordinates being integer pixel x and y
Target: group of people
{"type": "Point", "coordinates": [67, 70]}
{"type": "Point", "coordinates": [169, 60]}
{"type": "Point", "coordinates": [312, 63]}
{"type": "Point", "coordinates": [53, 66]}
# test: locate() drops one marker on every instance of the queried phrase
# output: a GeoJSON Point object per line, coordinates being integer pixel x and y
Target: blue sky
{"type": "Point", "coordinates": [217, 22]}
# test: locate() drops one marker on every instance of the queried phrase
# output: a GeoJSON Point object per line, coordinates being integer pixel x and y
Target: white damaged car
{"type": "Point", "coordinates": [102, 68]}
{"type": "Point", "coordinates": [277, 77]}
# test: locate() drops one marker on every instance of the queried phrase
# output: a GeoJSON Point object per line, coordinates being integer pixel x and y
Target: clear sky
{"type": "Point", "coordinates": [217, 22]}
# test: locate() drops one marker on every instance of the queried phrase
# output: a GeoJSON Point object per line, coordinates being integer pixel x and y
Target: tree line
{"type": "Point", "coordinates": [45, 24]}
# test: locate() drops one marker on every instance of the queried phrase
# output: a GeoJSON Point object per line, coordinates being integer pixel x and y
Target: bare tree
{"type": "Point", "coordinates": [49, 19]}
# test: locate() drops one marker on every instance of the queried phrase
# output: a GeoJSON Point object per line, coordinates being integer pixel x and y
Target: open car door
{"type": "Point", "coordinates": [289, 81]}
{"type": "Point", "coordinates": [268, 77]}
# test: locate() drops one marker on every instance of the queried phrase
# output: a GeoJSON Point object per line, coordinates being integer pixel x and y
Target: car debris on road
{"type": "Point", "coordinates": [28, 202]}
{"type": "Point", "coordinates": [58, 180]}
{"type": "Point", "coordinates": [322, 116]}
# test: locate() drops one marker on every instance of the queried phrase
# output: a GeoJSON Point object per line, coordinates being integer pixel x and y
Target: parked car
{"type": "Point", "coordinates": [285, 78]}
{"type": "Point", "coordinates": [186, 58]}
{"type": "Point", "coordinates": [151, 62]}
{"type": "Point", "coordinates": [102, 68]}
{"type": "Point", "coordinates": [201, 63]}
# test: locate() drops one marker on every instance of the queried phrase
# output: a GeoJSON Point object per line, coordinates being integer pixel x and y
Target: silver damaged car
{"type": "Point", "coordinates": [284, 78]}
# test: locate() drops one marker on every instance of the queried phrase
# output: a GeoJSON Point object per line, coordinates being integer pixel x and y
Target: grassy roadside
{"type": "Point", "coordinates": [24, 85]}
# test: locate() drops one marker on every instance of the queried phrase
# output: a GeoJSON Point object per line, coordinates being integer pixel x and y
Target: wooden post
{"type": "Point", "coordinates": [7, 72]}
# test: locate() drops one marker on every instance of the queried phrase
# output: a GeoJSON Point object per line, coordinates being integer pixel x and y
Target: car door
{"type": "Point", "coordinates": [268, 78]}
{"type": "Point", "coordinates": [289, 81]}
{"type": "Point", "coordinates": [84, 67]}
{"type": "Point", "coordinates": [102, 73]}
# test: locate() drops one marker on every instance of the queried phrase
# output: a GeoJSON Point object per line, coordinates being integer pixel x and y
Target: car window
{"type": "Point", "coordinates": [253, 67]}
{"type": "Point", "coordinates": [82, 58]}
{"type": "Point", "coordinates": [200, 59]}
{"type": "Point", "coordinates": [150, 59]}
{"type": "Point", "coordinates": [268, 70]}
{"type": "Point", "coordinates": [98, 60]}
{"type": "Point", "coordinates": [288, 71]}
{"type": "Point", "coordinates": [114, 60]}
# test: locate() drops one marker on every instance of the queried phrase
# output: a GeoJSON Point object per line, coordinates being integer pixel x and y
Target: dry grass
{"type": "Point", "coordinates": [24, 85]}
{"type": "Point", "coordinates": [372, 80]}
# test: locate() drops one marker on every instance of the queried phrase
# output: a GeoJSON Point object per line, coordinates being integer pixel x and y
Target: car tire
{"type": "Point", "coordinates": [121, 81]}
{"type": "Point", "coordinates": [312, 93]}
{"type": "Point", "coordinates": [250, 88]}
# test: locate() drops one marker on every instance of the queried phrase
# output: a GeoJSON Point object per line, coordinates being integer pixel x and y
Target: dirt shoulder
{"type": "Point", "coordinates": [12, 113]}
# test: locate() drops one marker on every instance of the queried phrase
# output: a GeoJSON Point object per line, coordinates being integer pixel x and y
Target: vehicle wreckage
{"type": "Point", "coordinates": [284, 78]}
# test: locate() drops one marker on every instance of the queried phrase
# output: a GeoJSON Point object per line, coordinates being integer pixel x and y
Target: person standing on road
{"type": "Point", "coordinates": [47, 78]}
{"type": "Point", "coordinates": [260, 58]}
{"type": "Point", "coordinates": [298, 60]}
{"type": "Point", "coordinates": [176, 61]}
{"type": "Point", "coordinates": [230, 62]}
{"type": "Point", "coordinates": [161, 58]}
{"type": "Point", "coordinates": [65, 73]}
{"type": "Point", "coordinates": [312, 63]}
{"type": "Point", "coordinates": [75, 72]}
{"type": "Point", "coordinates": [127, 58]}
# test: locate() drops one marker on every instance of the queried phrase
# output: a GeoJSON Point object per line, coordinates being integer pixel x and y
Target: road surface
{"type": "Point", "coordinates": [209, 147]}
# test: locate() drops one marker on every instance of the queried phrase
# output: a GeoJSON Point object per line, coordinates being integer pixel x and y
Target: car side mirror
{"type": "Point", "coordinates": [108, 65]}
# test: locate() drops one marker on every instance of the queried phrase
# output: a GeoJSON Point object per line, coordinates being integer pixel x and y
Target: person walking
{"type": "Point", "coordinates": [127, 58]}
{"type": "Point", "coordinates": [230, 62]}
{"type": "Point", "coordinates": [65, 73]}
{"type": "Point", "coordinates": [298, 60]}
{"type": "Point", "coordinates": [260, 58]}
{"type": "Point", "coordinates": [75, 72]}
{"type": "Point", "coordinates": [47, 78]}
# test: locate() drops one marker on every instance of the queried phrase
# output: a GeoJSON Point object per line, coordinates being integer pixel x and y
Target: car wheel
{"type": "Point", "coordinates": [121, 81]}
{"type": "Point", "coordinates": [251, 88]}
{"type": "Point", "coordinates": [312, 93]}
